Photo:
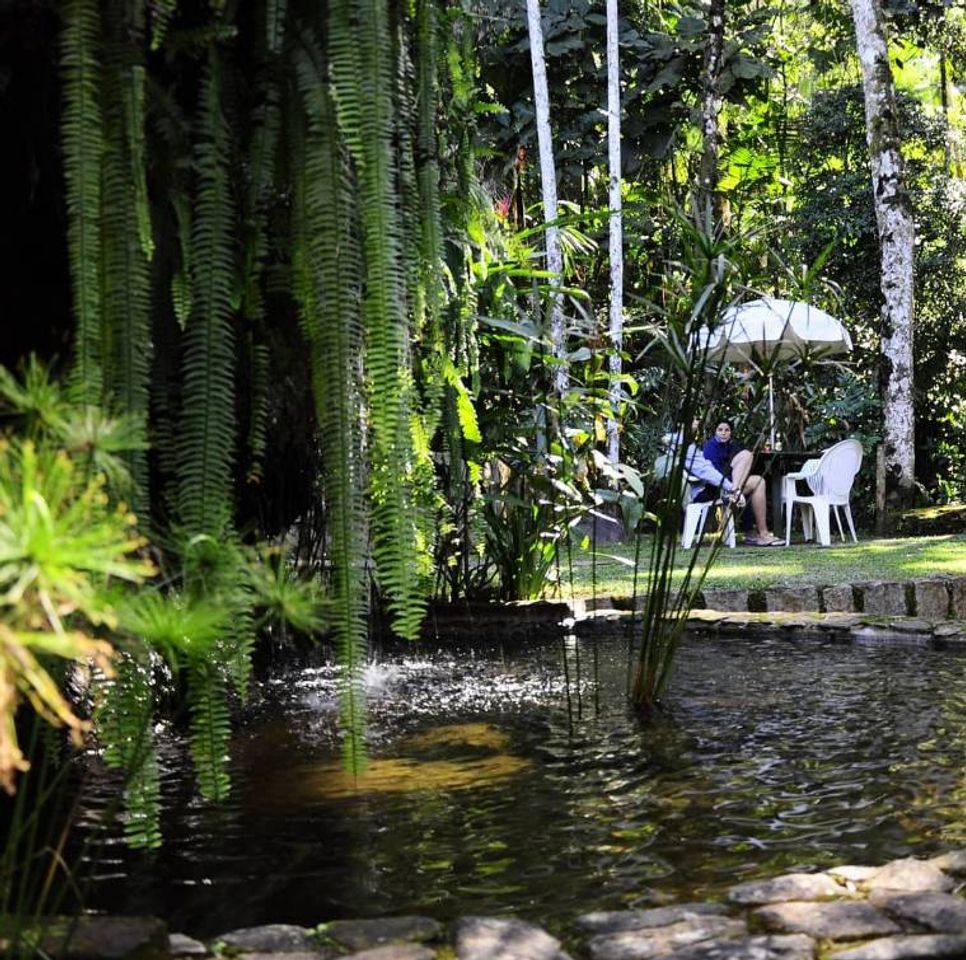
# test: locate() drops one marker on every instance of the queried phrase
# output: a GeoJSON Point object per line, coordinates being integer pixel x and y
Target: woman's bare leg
{"type": "Point", "coordinates": [753, 487]}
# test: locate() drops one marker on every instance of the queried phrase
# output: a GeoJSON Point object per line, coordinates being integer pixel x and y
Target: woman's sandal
{"type": "Point", "coordinates": [770, 542]}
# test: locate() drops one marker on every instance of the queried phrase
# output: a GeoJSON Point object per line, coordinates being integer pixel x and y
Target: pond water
{"type": "Point", "coordinates": [542, 794]}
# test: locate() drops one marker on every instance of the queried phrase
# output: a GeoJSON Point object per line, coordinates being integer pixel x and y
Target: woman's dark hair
{"type": "Point", "coordinates": [721, 420]}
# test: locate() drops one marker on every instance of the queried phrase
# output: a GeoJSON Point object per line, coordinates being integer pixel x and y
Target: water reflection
{"type": "Point", "coordinates": [520, 780]}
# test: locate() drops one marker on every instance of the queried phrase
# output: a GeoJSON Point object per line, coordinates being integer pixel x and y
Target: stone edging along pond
{"type": "Point", "coordinates": [905, 909]}
{"type": "Point", "coordinates": [929, 611]}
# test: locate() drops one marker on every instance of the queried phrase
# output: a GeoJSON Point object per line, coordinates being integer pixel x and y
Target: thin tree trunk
{"type": "Point", "coordinates": [616, 229]}
{"type": "Point", "coordinates": [548, 182]}
{"type": "Point", "coordinates": [711, 108]}
{"type": "Point", "coordinates": [897, 243]}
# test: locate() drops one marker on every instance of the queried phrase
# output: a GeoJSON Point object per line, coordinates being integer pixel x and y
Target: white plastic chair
{"type": "Point", "coordinates": [696, 514]}
{"type": "Point", "coordinates": [830, 479]}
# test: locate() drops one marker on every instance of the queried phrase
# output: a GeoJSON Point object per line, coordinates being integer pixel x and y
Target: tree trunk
{"type": "Point", "coordinates": [896, 239]}
{"type": "Point", "coordinates": [548, 182]}
{"type": "Point", "coordinates": [616, 229]}
{"type": "Point", "coordinates": [713, 60]}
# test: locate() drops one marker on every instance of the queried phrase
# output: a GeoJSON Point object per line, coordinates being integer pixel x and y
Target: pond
{"type": "Point", "coordinates": [517, 779]}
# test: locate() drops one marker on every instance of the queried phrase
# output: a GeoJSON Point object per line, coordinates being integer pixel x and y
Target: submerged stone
{"type": "Point", "coordinates": [660, 941]}
{"type": "Point", "coordinates": [793, 946]}
{"type": "Point", "coordinates": [489, 938]}
{"type": "Point", "coordinates": [366, 934]}
{"type": "Point", "coordinates": [616, 921]}
{"type": "Point", "coordinates": [907, 947]}
{"type": "Point", "coordinates": [836, 920]}
{"type": "Point", "coordinates": [790, 886]}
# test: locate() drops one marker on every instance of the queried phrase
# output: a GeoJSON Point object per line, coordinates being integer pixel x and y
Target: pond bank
{"type": "Point", "coordinates": [927, 611]}
{"type": "Point", "coordinates": [907, 908]}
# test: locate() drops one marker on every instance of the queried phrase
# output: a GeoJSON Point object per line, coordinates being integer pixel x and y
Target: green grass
{"type": "Point", "coordinates": [799, 565]}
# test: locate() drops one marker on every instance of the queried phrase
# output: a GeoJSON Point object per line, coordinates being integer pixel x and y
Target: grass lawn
{"type": "Point", "coordinates": [761, 567]}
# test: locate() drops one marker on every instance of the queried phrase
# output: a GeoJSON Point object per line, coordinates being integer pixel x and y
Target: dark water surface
{"type": "Point", "coordinates": [547, 797]}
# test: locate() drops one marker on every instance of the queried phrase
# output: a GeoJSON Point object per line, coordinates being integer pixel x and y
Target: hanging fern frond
{"type": "Point", "coordinates": [127, 239]}
{"type": "Point", "coordinates": [206, 452]}
{"type": "Point", "coordinates": [360, 46]}
{"type": "Point", "coordinates": [210, 730]}
{"type": "Point", "coordinates": [124, 722]}
{"type": "Point", "coordinates": [274, 25]}
{"type": "Point", "coordinates": [162, 12]}
{"type": "Point", "coordinates": [328, 265]}
{"type": "Point", "coordinates": [257, 410]}
{"type": "Point", "coordinates": [82, 137]}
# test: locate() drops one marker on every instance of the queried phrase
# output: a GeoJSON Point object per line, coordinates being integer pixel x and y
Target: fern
{"type": "Point", "coordinates": [210, 730]}
{"type": "Point", "coordinates": [127, 239]}
{"type": "Point", "coordinates": [125, 730]}
{"type": "Point", "coordinates": [81, 131]}
{"type": "Point", "coordinates": [208, 416]}
{"type": "Point", "coordinates": [162, 12]}
{"type": "Point", "coordinates": [360, 48]}
{"type": "Point", "coordinates": [327, 262]}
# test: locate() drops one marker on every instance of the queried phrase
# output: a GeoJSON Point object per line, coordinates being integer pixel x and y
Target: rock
{"type": "Point", "coordinates": [912, 625]}
{"type": "Point", "coordinates": [953, 862]}
{"type": "Point", "coordinates": [791, 599]}
{"type": "Point", "coordinates": [957, 597]}
{"type": "Point", "coordinates": [837, 599]}
{"type": "Point", "coordinates": [937, 912]}
{"type": "Point", "coordinates": [837, 920]}
{"type": "Point", "coordinates": [181, 946]}
{"type": "Point", "coordinates": [794, 946]}
{"type": "Point", "coordinates": [728, 600]}
{"type": "Point", "coordinates": [106, 938]}
{"type": "Point", "coordinates": [606, 922]}
{"type": "Point", "coordinates": [854, 874]}
{"type": "Point", "coordinates": [888, 599]}
{"type": "Point", "coordinates": [911, 875]}
{"type": "Point", "coordinates": [906, 948]}
{"type": "Point", "coordinates": [660, 941]}
{"type": "Point", "coordinates": [932, 599]}
{"type": "Point", "coordinates": [790, 886]}
{"type": "Point", "coordinates": [947, 629]}
{"type": "Point", "coordinates": [395, 951]}
{"type": "Point", "coordinates": [365, 934]}
{"type": "Point", "coordinates": [273, 938]}
{"type": "Point", "coordinates": [488, 938]}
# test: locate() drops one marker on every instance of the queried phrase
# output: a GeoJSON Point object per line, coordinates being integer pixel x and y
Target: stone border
{"type": "Point", "coordinates": [922, 612]}
{"type": "Point", "coordinates": [905, 909]}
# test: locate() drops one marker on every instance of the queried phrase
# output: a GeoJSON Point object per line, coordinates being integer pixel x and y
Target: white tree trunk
{"type": "Point", "coordinates": [897, 243]}
{"type": "Point", "coordinates": [616, 229]}
{"type": "Point", "coordinates": [711, 106]}
{"type": "Point", "coordinates": [548, 183]}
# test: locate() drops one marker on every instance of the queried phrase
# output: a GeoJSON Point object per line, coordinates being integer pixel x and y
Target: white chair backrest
{"type": "Point", "coordinates": [836, 470]}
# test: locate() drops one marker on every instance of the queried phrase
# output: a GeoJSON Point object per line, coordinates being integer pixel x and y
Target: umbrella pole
{"type": "Point", "coordinates": [771, 410]}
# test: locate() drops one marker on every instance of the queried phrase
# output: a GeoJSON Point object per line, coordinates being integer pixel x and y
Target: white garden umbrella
{"type": "Point", "coordinates": [761, 332]}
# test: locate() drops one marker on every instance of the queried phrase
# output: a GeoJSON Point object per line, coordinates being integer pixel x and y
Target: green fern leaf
{"type": "Point", "coordinates": [206, 454]}
{"type": "Point", "coordinates": [82, 143]}
{"type": "Point", "coordinates": [210, 730]}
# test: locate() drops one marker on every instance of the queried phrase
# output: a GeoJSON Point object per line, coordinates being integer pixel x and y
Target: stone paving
{"type": "Point", "coordinates": [911, 908]}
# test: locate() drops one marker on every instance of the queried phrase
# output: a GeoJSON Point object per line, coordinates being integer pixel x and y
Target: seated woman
{"type": "Point", "coordinates": [734, 462]}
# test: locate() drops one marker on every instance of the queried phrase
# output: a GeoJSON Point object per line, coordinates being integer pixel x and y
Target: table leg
{"type": "Point", "coordinates": [775, 481]}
